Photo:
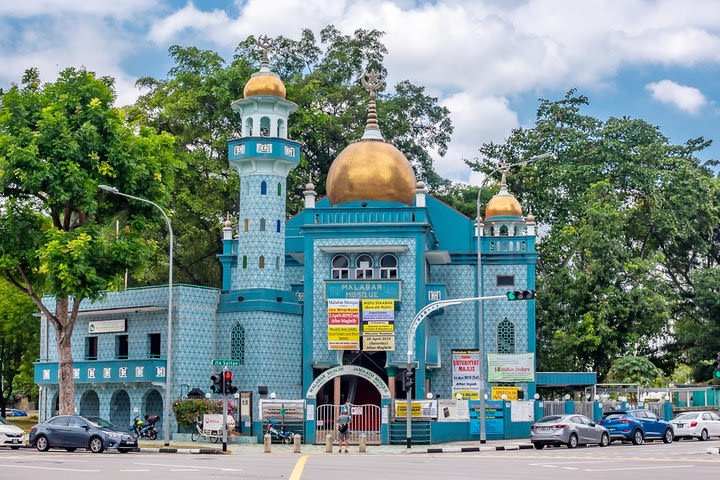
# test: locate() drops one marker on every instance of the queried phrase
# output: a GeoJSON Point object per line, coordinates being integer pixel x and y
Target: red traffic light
{"type": "Point", "coordinates": [228, 375]}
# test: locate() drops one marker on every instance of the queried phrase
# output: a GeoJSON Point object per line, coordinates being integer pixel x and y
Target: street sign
{"type": "Point", "coordinates": [226, 363]}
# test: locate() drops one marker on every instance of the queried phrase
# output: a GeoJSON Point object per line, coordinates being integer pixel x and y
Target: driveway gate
{"type": "Point", "coordinates": [365, 420]}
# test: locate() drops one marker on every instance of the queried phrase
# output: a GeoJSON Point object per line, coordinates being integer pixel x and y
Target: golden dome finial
{"type": "Point", "coordinates": [265, 82]}
{"type": "Point", "coordinates": [504, 203]}
{"type": "Point", "coordinates": [265, 43]}
{"type": "Point", "coordinates": [372, 81]}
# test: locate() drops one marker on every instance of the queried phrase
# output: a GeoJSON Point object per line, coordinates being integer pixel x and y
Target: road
{"type": "Point", "coordinates": [655, 460]}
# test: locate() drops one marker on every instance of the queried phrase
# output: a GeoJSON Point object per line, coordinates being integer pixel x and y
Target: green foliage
{"type": "Point", "coordinates": [633, 369]}
{"type": "Point", "coordinates": [322, 78]}
{"type": "Point", "coordinates": [188, 410]}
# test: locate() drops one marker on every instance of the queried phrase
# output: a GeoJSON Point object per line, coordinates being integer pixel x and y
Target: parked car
{"type": "Point", "coordinates": [701, 425]}
{"type": "Point", "coordinates": [637, 426]}
{"type": "Point", "coordinates": [571, 430]}
{"type": "Point", "coordinates": [14, 412]}
{"type": "Point", "coordinates": [72, 432]}
{"type": "Point", "coordinates": [11, 435]}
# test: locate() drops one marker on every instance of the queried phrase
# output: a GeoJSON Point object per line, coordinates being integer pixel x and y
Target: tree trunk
{"type": "Point", "coordinates": [63, 333]}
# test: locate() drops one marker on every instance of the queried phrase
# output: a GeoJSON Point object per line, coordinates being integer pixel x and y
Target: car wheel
{"type": "Point", "coordinates": [638, 437]}
{"type": "Point", "coordinates": [668, 436]}
{"type": "Point", "coordinates": [703, 435]}
{"type": "Point", "coordinates": [15, 448]}
{"type": "Point", "coordinates": [96, 445]}
{"type": "Point", "coordinates": [42, 444]}
{"type": "Point", "coordinates": [538, 446]}
{"type": "Point", "coordinates": [605, 440]}
{"type": "Point", "coordinates": [71, 449]}
{"type": "Point", "coordinates": [572, 441]}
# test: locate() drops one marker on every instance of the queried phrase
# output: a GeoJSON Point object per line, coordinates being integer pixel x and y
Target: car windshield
{"type": "Point", "coordinates": [549, 418]}
{"type": "Point", "coordinates": [3, 421]}
{"type": "Point", "coordinates": [686, 416]}
{"type": "Point", "coordinates": [614, 416]}
{"type": "Point", "coordinates": [100, 423]}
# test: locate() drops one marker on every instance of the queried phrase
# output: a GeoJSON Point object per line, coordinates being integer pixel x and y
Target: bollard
{"type": "Point", "coordinates": [296, 443]}
{"type": "Point", "coordinates": [267, 441]}
{"type": "Point", "coordinates": [362, 443]}
{"type": "Point", "coordinates": [328, 443]}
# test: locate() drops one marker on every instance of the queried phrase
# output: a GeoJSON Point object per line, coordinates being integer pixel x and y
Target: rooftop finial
{"type": "Point", "coordinates": [265, 43]}
{"type": "Point", "coordinates": [504, 167]}
{"type": "Point", "coordinates": [372, 81]}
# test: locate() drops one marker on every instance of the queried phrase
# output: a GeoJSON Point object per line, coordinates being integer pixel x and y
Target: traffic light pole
{"type": "Point", "coordinates": [224, 407]}
{"type": "Point", "coordinates": [419, 317]}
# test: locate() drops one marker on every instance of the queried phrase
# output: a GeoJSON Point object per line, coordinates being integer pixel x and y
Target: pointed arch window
{"type": "Point", "coordinates": [506, 337]}
{"type": "Point", "coordinates": [249, 127]}
{"type": "Point", "coordinates": [244, 261]}
{"type": "Point", "coordinates": [263, 188]}
{"type": "Point", "coordinates": [262, 224]}
{"type": "Point", "coordinates": [237, 343]}
{"type": "Point", "coordinates": [340, 267]}
{"type": "Point", "coordinates": [265, 127]}
{"type": "Point", "coordinates": [504, 231]}
{"type": "Point", "coordinates": [277, 262]}
{"type": "Point", "coordinates": [278, 225]}
{"type": "Point", "coordinates": [261, 261]}
{"type": "Point", "coordinates": [246, 225]}
{"type": "Point", "coordinates": [279, 189]}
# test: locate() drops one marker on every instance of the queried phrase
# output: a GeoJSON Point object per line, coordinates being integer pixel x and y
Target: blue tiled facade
{"type": "Point", "coordinates": [270, 313]}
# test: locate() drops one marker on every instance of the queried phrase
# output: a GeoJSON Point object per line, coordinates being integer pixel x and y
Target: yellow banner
{"type": "Point", "coordinates": [401, 409]}
{"type": "Point", "coordinates": [376, 343]}
{"type": "Point", "coordinates": [378, 304]}
{"type": "Point", "coordinates": [343, 333]}
{"type": "Point", "coordinates": [511, 392]}
{"type": "Point", "coordinates": [468, 394]}
{"type": "Point", "coordinates": [374, 327]}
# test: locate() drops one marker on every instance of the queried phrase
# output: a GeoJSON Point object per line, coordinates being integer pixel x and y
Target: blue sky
{"type": "Point", "coordinates": [488, 61]}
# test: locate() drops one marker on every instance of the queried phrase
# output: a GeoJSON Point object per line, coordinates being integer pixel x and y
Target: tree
{"type": "Point", "coordinates": [193, 104]}
{"type": "Point", "coordinates": [58, 141]}
{"type": "Point", "coordinates": [627, 220]}
{"type": "Point", "coordinates": [633, 369]}
{"type": "Point", "coordinates": [19, 341]}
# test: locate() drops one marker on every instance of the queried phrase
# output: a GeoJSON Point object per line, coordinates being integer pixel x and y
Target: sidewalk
{"type": "Point", "coordinates": [157, 446]}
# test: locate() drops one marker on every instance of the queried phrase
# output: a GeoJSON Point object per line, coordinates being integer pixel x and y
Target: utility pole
{"type": "Point", "coordinates": [224, 407]}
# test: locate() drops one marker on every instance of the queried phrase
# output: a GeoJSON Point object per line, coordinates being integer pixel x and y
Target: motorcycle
{"type": "Point", "coordinates": [140, 430]}
{"type": "Point", "coordinates": [279, 433]}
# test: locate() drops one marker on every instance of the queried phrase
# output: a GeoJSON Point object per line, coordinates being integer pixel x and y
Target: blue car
{"type": "Point", "coordinates": [637, 425]}
{"type": "Point", "coordinates": [14, 412]}
{"type": "Point", "coordinates": [72, 432]}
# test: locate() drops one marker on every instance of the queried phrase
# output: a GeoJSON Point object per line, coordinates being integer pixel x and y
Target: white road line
{"type": "Point", "coordinates": [170, 465]}
{"type": "Point", "coordinates": [634, 468]}
{"type": "Point", "coordinates": [184, 470]}
{"type": "Point", "coordinates": [135, 470]}
{"type": "Point", "coordinates": [34, 467]}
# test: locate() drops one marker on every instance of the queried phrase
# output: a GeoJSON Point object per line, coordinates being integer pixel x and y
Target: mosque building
{"type": "Point", "coordinates": [315, 310]}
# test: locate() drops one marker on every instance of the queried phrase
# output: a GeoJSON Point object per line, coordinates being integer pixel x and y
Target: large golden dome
{"type": "Point", "coordinates": [265, 83]}
{"type": "Point", "coordinates": [503, 204]}
{"type": "Point", "coordinates": [371, 170]}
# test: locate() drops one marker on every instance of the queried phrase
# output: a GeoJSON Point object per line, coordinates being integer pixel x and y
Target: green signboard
{"type": "Point", "coordinates": [364, 289]}
{"type": "Point", "coordinates": [226, 363]}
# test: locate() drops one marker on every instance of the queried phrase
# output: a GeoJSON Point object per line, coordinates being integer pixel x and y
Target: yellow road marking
{"type": "Point", "coordinates": [298, 470]}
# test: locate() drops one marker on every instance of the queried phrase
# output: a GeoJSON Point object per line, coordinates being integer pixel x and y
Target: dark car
{"type": "Point", "coordinates": [637, 426]}
{"type": "Point", "coordinates": [72, 432]}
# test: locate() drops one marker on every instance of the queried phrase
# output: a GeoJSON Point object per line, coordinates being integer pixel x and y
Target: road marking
{"type": "Point", "coordinates": [48, 468]}
{"type": "Point", "coordinates": [135, 470]}
{"type": "Point", "coordinates": [298, 470]}
{"type": "Point", "coordinates": [170, 465]}
{"type": "Point", "coordinates": [184, 470]}
{"type": "Point", "coordinates": [634, 468]}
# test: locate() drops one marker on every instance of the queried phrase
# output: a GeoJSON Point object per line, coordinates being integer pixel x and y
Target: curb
{"type": "Point", "coordinates": [192, 451]}
{"type": "Point", "coordinates": [497, 448]}
{"type": "Point", "coordinates": [712, 450]}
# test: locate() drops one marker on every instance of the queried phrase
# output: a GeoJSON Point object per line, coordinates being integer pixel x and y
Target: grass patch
{"type": "Point", "coordinates": [26, 423]}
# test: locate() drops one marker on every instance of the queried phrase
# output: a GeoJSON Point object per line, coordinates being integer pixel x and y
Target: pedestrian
{"type": "Point", "coordinates": [343, 426]}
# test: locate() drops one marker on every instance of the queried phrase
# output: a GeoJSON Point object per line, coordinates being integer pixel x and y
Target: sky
{"type": "Point", "coordinates": [488, 61]}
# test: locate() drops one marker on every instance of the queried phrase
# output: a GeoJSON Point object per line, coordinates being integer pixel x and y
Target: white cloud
{"type": "Point", "coordinates": [687, 99]}
{"type": "Point", "coordinates": [117, 9]}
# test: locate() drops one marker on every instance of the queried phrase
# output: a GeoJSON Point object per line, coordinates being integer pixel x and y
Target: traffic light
{"type": "Point", "coordinates": [408, 380]}
{"type": "Point", "coordinates": [716, 373]}
{"type": "Point", "coordinates": [229, 389]}
{"type": "Point", "coordinates": [521, 295]}
{"type": "Point", "coordinates": [217, 384]}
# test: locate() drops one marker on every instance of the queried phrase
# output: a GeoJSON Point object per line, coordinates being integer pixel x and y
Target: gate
{"type": "Point", "coordinates": [365, 420]}
{"type": "Point", "coordinates": [585, 408]}
{"type": "Point", "coordinates": [553, 408]}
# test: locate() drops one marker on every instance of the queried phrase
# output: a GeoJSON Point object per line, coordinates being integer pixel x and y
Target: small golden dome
{"type": "Point", "coordinates": [503, 204]}
{"type": "Point", "coordinates": [371, 170]}
{"type": "Point", "coordinates": [265, 83]}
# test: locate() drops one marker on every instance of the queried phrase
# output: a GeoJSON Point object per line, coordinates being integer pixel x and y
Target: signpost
{"type": "Point", "coordinates": [226, 363]}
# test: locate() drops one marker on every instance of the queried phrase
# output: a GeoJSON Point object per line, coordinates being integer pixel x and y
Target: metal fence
{"type": "Point", "coordinates": [553, 408]}
{"type": "Point", "coordinates": [365, 420]}
{"type": "Point", "coordinates": [584, 408]}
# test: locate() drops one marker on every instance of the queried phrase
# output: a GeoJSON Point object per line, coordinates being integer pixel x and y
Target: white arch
{"type": "Point", "coordinates": [358, 371]}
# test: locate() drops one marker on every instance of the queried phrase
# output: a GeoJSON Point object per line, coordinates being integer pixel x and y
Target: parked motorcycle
{"type": "Point", "coordinates": [142, 430]}
{"type": "Point", "coordinates": [277, 432]}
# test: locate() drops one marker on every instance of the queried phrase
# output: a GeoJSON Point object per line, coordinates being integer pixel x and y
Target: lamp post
{"type": "Point", "coordinates": [503, 167]}
{"type": "Point", "coordinates": [168, 405]}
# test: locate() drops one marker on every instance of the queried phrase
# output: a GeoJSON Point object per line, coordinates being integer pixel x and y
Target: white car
{"type": "Point", "coordinates": [701, 425]}
{"type": "Point", "coordinates": [10, 435]}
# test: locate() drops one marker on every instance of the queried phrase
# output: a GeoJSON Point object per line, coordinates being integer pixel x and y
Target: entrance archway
{"type": "Point", "coordinates": [89, 404]}
{"type": "Point", "coordinates": [153, 405]}
{"type": "Point", "coordinates": [120, 409]}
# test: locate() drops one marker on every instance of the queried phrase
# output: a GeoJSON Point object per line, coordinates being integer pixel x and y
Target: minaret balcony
{"type": "Point", "coordinates": [245, 152]}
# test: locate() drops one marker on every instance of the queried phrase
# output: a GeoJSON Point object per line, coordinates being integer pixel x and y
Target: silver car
{"type": "Point", "coordinates": [571, 430]}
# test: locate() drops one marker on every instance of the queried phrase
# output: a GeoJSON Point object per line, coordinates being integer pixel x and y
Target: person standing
{"type": "Point", "coordinates": [343, 426]}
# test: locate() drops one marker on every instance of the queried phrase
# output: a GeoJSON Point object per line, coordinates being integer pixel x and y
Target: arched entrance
{"type": "Point", "coordinates": [367, 419]}
{"type": "Point", "coordinates": [153, 405]}
{"type": "Point", "coordinates": [89, 404]}
{"type": "Point", "coordinates": [120, 409]}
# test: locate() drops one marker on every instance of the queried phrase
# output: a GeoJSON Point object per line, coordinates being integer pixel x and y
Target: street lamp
{"type": "Point", "coordinates": [168, 405]}
{"type": "Point", "coordinates": [503, 167]}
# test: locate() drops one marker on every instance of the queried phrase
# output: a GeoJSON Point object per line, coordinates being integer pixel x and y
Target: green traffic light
{"type": "Point", "coordinates": [510, 295]}
{"type": "Point", "coordinates": [717, 373]}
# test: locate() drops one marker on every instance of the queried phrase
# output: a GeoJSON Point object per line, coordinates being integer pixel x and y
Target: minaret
{"type": "Point", "coordinates": [263, 157]}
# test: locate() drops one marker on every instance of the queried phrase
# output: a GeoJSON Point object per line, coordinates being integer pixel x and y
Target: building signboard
{"type": "Point", "coordinates": [418, 408]}
{"type": "Point", "coordinates": [466, 374]}
{"type": "Point", "coordinates": [511, 367]}
{"type": "Point", "coordinates": [511, 393]}
{"type": "Point", "coordinates": [378, 343]}
{"type": "Point", "coordinates": [374, 289]}
{"type": "Point", "coordinates": [343, 324]}
{"type": "Point", "coordinates": [282, 410]}
{"type": "Point", "coordinates": [378, 325]}
{"type": "Point", "coordinates": [107, 326]}
{"type": "Point", "coordinates": [453, 410]}
{"type": "Point", "coordinates": [522, 411]}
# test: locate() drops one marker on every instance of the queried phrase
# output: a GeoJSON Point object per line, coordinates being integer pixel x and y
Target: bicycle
{"type": "Point", "coordinates": [199, 432]}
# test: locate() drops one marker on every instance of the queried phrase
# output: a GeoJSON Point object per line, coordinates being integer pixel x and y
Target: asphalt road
{"type": "Point", "coordinates": [655, 460]}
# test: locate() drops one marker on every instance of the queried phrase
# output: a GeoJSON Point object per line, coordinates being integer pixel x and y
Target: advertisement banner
{"type": "Point", "coordinates": [377, 343]}
{"type": "Point", "coordinates": [510, 392]}
{"type": "Point", "coordinates": [378, 327]}
{"type": "Point", "coordinates": [419, 408]}
{"type": "Point", "coordinates": [466, 374]}
{"type": "Point", "coordinates": [511, 367]}
{"type": "Point", "coordinates": [378, 310]}
{"type": "Point", "coordinates": [522, 411]}
{"type": "Point", "coordinates": [453, 410]}
{"type": "Point", "coordinates": [343, 324]}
